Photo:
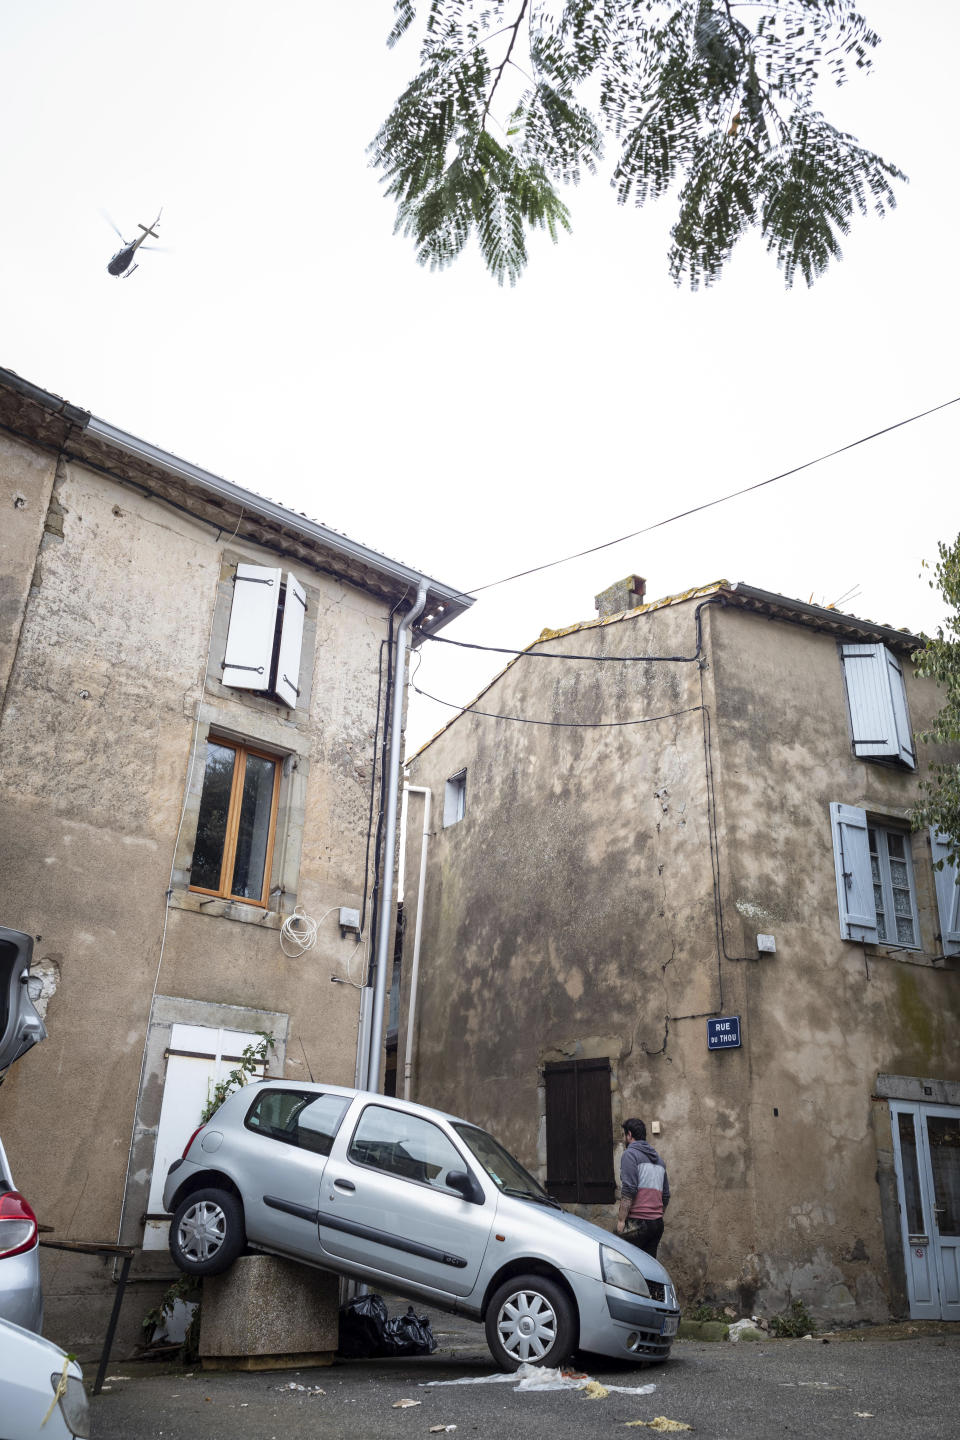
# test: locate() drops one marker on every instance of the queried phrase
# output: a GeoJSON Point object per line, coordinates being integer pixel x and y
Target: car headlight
{"type": "Point", "coordinates": [618, 1270]}
{"type": "Point", "coordinates": [74, 1405]}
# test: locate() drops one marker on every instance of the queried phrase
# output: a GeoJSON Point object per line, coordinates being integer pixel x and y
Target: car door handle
{"type": "Point", "coordinates": [344, 1185]}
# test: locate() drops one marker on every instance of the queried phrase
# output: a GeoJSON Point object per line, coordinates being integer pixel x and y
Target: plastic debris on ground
{"type": "Point", "coordinates": [539, 1377]}
{"type": "Point", "coordinates": [441, 1429]}
{"type": "Point", "coordinates": [405, 1404]}
{"type": "Point", "coordinates": [745, 1330]}
{"type": "Point", "coordinates": [660, 1422]}
{"type": "Point", "coordinates": [303, 1389]}
{"type": "Point", "coordinates": [367, 1332]}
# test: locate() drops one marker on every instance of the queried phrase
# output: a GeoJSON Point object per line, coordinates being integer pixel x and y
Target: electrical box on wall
{"type": "Point", "coordinates": [349, 920]}
{"type": "Point", "coordinates": [766, 944]}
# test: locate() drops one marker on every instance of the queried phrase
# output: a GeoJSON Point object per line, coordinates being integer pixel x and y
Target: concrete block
{"type": "Point", "coordinates": [266, 1313]}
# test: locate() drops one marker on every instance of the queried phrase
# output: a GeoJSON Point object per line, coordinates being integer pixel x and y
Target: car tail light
{"type": "Point", "coordinates": [18, 1225]}
{"type": "Point", "coordinates": [190, 1142]}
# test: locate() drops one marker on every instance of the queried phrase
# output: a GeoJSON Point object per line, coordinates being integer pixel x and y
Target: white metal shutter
{"type": "Point", "coordinates": [948, 894]}
{"type": "Point", "coordinates": [877, 701]}
{"type": "Point", "coordinates": [206, 1055]}
{"type": "Point", "coordinates": [851, 854]}
{"type": "Point", "coordinates": [253, 620]}
{"type": "Point", "coordinates": [291, 642]}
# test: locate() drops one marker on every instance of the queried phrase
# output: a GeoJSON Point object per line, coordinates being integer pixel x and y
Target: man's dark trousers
{"type": "Point", "coordinates": [645, 1234]}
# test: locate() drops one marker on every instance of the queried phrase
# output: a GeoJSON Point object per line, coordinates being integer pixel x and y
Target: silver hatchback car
{"type": "Point", "coordinates": [418, 1202]}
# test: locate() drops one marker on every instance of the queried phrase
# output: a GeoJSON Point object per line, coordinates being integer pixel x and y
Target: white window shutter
{"type": "Point", "coordinates": [291, 643]}
{"type": "Point", "coordinates": [877, 701]}
{"type": "Point", "coordinates": [851, 854]}
{"type": "Point", "coordinates": [253, 618]}
{"type": "Point", "coordinates": [948, 894]}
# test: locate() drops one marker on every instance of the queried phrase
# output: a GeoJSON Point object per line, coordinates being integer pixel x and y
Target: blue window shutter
{"type": "Point", "coordinates": [948, 894]}
{"type": "Point", "coordinates": [851, 854]}
{"type": "Point", "coordinates": [901, 716]}
{"type": "Point", "coordinates": [877, 701]}
{"type": "Point", "coordinates": [253, 619]}
{"type": "Point", "coordinates": [291, 643]}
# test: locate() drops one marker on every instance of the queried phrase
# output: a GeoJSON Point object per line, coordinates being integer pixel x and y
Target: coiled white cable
{"type": "Point", "coordinates": [299, 932]}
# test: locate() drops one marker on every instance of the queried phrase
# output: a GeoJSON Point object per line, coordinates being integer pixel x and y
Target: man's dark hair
{"type": "Point", "coordinates": [636, 1128]}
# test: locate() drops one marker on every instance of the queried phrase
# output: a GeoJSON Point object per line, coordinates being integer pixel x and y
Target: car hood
{"type": "Point", "coordinates": [22, 1350]}
{"type": "Point", "coordinates": [649, 1268]}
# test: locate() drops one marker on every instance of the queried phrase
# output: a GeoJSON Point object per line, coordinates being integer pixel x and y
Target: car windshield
{"type": "Point", "coordinates": [505, 1172]}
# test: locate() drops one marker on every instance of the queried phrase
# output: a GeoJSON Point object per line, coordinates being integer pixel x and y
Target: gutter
{"type": "Point", "coordinates": [387, 906]}
{"type": "Point", "coordinates": [427, 794]}
{"type": "Point", "coordinates": [452, 601]}
{"type": "Point", "coordinates": [44, 399]}
{"type": "Point", "coordinates": [817, 616]}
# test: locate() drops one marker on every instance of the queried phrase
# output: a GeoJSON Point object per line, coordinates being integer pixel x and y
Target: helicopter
{"type": "Point", "coordinates": [123, 263]}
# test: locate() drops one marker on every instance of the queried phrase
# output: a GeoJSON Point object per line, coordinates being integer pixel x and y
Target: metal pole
{"type": "Point", "coordinates": [385, 917]}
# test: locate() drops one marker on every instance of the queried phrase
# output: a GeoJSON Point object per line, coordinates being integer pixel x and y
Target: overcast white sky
{"type": "Point", "coordinates": [291, 343]}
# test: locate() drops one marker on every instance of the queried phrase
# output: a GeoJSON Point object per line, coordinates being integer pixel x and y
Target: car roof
{"type": "Point", "coordinates": [393, 1102]}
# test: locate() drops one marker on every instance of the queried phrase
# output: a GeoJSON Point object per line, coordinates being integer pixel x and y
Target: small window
{"type": "Point", "coordinates": [237, 823]}
{"type": "Point", "coordinates": [265, 637]}
{"type": "Point", "coordinates": [455, 798]}
{"type": "Point", "coordinates": [877, 704]}
{"type": "Point", "coordinates": [893, 892]}
{"type": "Point", "coordinates": [299, 1118]}
{"type": "Point", "coordinates": [405, 1146]}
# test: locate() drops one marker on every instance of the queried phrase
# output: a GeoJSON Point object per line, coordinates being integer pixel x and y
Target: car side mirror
{"type": "Point", "coordinates": [464, 1185]}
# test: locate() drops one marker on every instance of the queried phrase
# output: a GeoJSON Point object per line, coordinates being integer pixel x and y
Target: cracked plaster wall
{"type": "Point", "coordinates": [111, 643]}
{"type": "Point", "coordinates": [575, 900]}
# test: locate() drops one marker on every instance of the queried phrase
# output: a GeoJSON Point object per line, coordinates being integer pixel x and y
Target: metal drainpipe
{"type": "Point", "coordinates": [426, 792]}
{"type": "Point", "coordinates": [390, 840]}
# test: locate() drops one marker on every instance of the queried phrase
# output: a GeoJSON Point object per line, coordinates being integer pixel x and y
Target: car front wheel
{"type": "Point", "coordinates": [530, 1320]}
{"type": "Point", "coordinates": [206, 1232]}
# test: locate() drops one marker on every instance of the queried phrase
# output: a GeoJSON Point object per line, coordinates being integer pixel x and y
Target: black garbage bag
{"type": "Point", "coordinates": [362, 1323]}
{"type": "Point", "coordinates": [366, 1332]}
{"type": "Point", "coordinates": [408, 1334]}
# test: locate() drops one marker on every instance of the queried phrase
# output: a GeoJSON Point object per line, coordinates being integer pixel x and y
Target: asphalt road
{"type": "Point", "coordinates": [882, 1389]}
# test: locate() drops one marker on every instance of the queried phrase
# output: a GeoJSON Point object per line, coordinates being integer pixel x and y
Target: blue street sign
{"type": "Point", "coordinates": [723, 1034]}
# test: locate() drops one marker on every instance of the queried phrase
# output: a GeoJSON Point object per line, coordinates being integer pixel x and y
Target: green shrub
{"type": "Point", "coordinates": [793, 1323]}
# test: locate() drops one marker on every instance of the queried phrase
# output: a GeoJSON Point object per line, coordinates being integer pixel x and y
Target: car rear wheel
{"type": "Point", "coordinates": [530, 1320]}
{"type": "Point", "coordinates": [206, 1232]}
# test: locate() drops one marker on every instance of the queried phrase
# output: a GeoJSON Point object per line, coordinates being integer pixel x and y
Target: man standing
{"type": "Point", "coordinates": [644, 1190]}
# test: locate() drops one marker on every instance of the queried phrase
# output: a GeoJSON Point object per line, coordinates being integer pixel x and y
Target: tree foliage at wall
{"type": "Point", "coordinates": [712, 99]}
{"type": "Point", "coordinates": [940, 660]}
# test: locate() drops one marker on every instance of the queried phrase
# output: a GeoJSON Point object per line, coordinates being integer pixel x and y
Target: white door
{"type": "Point", "coordinates": [197, 1058]}
{"type": "Point", "coordinates": [926, 1142]}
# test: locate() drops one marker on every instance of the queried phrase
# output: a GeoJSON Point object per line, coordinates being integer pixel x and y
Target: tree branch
{"type": "Point", "coordinates": [499, 75]}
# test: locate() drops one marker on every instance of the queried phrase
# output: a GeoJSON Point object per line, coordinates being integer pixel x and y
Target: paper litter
{"type": "Point", "coordinates": [660, 1422]}
{"type": "Point", "coordinates": [405, 1404]}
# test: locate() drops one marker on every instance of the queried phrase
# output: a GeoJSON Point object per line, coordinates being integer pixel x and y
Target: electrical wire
{"type": "Point", "coordinates": [720, 500]}
{"type": "Point", "coordinates": [561, 655]}
{"type": "Point", "coordinates": [557, 724]}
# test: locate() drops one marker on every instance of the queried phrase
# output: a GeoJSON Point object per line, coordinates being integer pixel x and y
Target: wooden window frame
{"type": "Point", "coordinates": [231, 835]}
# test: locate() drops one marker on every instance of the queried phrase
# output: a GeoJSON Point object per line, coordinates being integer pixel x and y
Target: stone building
{"type": "Point", "coordinates": [689, 892]}
{"type": "Point", "coordinates": [189, 751]}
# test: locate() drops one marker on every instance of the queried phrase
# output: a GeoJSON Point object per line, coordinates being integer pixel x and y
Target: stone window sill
{"type": "Point", "coordinates": [229, 909]}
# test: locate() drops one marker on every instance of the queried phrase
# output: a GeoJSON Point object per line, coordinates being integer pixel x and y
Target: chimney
{"type": "Point", "coordinates": [626, 594]}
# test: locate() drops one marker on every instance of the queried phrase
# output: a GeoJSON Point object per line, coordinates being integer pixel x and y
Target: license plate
{"type": "Point", "coordinates": [669, 1326]}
